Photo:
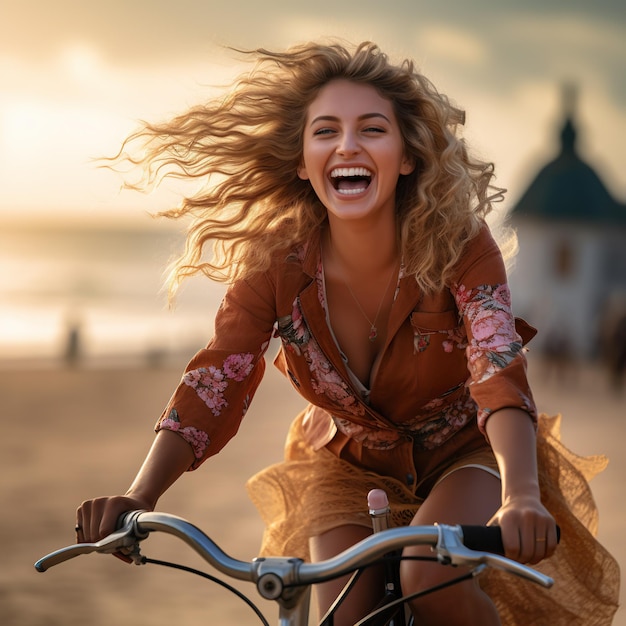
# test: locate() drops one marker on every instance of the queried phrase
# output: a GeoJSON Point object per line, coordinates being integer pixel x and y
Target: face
{"type": "Point", "coordinates": [353, 151]}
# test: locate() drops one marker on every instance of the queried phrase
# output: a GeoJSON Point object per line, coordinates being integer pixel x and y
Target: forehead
{"type": "Point", "coordinates": [343, 97]}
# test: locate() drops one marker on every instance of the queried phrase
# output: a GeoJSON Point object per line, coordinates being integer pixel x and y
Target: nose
{"type": "Point", "coordinates": [348, 144]}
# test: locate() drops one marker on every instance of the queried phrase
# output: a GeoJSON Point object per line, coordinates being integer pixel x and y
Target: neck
{"type": "Point", "coordinates": [363, 250]}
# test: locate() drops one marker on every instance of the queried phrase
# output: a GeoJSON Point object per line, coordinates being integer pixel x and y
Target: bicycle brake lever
{"type": "Point", "coordinates": [452, 551]}
{"type": "Point", "coordinates": [124, 542]}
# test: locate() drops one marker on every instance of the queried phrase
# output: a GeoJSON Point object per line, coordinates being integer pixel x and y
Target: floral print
{"type": "Point", "coordinates": [435, 345]}
{"type": "Point", "coordinates": [494, 343]}
{"type": "Point", "coordinates": [449, 419]}
{"type": "Point", "coordinates": [238, 366]}
{"type": "Point", "coordinates": [427, 433]}
{"type": "Point", "coordinates": [325, 380]}
{"type": "Point", "coordinates": [454, 338]}
{"type": "Point", "coordinates": [211, 382]}
{"type": "Point", "coordinates": [373, 438]}
{"type": "Point", "coordinates": [293, 331]}
{"type": "Point", "coordinates": [421, 341]}
{"type": "Point", "coordinates": [198, 439]}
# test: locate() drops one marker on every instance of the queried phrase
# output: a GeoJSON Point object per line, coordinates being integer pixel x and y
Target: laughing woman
{"type": "Point", "coordinates": [349, 220]}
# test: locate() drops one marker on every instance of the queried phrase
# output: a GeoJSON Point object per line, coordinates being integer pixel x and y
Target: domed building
{"type": "Point", "coordinates": [569, 277]}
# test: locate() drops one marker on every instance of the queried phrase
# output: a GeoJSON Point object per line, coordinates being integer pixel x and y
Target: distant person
{"type": "Point", "coordinates": [349, 219]}
{"type": "Point", "coordinates": [73, 345]}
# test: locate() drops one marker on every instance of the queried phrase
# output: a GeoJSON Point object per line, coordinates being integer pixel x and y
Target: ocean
{"type": "Point", "coordinates": [94, 292]}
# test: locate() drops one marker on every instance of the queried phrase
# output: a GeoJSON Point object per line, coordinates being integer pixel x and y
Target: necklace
{"type": "Point", "coordinates": [373, 334]}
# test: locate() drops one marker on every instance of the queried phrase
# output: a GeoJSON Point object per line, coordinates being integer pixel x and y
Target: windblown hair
{"type": "Point", "coordinates": [246, 148]}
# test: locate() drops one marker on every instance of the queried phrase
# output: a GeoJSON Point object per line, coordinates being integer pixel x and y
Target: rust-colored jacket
{"type": "Point", "coordinates": [450, 360]}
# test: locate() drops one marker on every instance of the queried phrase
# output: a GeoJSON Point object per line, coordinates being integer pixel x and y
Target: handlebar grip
{"type": "Point", "coordinates": [483, 538]}
{"type": "Point", "coordinates": [488, 538]}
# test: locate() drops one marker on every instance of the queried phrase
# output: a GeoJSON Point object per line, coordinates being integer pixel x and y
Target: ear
{"type": "Point", "coordinates": [407, 165]}
{"type": "Point", "coordinates": [302, 173]}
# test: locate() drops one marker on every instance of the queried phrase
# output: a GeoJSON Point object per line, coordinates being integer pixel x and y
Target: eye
{"type": "Point", "coordinates": [374, 129]}
{"type": "Point", "coordinates": [323, 131]}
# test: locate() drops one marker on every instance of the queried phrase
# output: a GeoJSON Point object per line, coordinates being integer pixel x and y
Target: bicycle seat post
{"type": "Point", "coordinates": [379, 511]}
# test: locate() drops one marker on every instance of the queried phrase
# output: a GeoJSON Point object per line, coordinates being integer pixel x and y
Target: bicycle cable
{"type": "Point", "coordinates": [402, 600]}
{"type": "Point", "coordinates": [213, 579]}
{"type": "Point", "coordinates": [340, 598]}
{"type": "Point", "coordinates": [343, 594]}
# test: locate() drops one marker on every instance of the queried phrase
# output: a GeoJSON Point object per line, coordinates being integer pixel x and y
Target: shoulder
{"type": "Point", "coordinates": [290, 270]}
{"type": "Point", "coordinates": [481, 249]}
{"type": "Point", "coordinates": [300, 257]}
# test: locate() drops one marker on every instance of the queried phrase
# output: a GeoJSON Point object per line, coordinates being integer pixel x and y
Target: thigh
{"type": "Point", "coordinates": [468, 495]}
{"type": "Point", "coordinates": [368, 590]}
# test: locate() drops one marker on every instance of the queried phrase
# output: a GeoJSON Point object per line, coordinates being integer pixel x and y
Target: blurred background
{"type": "Point", "coordinates": [82, 262]}
{"type": "Point", "coordinates": [79, 258]}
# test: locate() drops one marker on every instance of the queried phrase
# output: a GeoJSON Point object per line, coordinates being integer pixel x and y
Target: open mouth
{"type": "Point", "coordinates": [350, 180]}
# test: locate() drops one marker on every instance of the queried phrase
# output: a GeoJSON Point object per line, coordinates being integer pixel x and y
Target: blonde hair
{"type": "Point", "coordinates": [251, 140]}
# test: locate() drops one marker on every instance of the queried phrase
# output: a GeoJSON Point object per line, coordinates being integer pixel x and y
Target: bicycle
{"type": "Point", "coordinates": [288, 581]}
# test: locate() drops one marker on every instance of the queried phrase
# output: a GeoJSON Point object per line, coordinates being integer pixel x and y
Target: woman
{"type": "Point", "coordinates": [349, 220]}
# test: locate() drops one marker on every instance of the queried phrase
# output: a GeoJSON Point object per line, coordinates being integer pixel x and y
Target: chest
{"type": "Point", "coordinates": [359, 321]}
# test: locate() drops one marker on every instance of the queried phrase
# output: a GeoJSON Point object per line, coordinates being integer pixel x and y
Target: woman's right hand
{"type": "Point", "coordinates": [97, 518]}
{"type": "Point", "coordinates": [169, 456]}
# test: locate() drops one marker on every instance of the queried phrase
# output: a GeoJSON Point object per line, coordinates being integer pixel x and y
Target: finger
{"type": "Point", "coordinates": [520, 539]}
{"type": "Point", "coordinates": [540, 547]}
{"type": "Point", "coordinates": [545, 540]}
{"type": "Point", "coordinates": [528, 543]}
{"type": "Point", "coordinates": [98, 510]}
{"type": "Point", "coordinates": [110, 516]}
{"type": "Point", "coordinates": [551, 542]}
{"type": "Point", "coordinates": [511, 539]}
{"type": "Point", "coordinates": [85, 521]}
{"type": "Point", "coordinates": [78, 528]}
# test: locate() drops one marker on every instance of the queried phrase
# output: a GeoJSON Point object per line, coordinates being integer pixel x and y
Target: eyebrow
{"type": "Point", "coordinates": [332, 118]}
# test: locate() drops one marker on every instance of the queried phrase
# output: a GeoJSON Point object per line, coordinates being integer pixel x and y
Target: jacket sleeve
{"type": "Point", "coordinates": [495, 339]}
{"type": "Point", "coordinates": [219, 382]}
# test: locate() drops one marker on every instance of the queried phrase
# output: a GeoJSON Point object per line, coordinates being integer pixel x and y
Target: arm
{"type": "Point", "coordinates": [528, 530]}
{"type": "Point", "coordinates": [507, 413]}
{"type": "Point", "coordinates": [205, 410]}
{"type": "Point", "coordinates": [169, 457]}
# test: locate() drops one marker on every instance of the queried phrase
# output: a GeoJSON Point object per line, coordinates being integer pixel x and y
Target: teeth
{"type": "Point", "coordinates": [344, 172]}
{"type": "Point", "coordinates": [350, 192]}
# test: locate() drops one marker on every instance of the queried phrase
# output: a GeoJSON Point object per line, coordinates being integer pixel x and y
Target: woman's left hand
{"type": "Point", "coordinates": [528, 529]}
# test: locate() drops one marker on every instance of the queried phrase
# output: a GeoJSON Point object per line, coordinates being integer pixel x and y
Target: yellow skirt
{"type": "Point", "coordinates": [312, 492]}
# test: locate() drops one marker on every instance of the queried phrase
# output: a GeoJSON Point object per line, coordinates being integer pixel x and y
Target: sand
{"type": "Point", "coordinates": [72, 434]}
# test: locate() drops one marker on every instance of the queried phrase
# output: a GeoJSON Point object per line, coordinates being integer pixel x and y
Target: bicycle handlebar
{"type": "Point", "coordinates": [273, 575]}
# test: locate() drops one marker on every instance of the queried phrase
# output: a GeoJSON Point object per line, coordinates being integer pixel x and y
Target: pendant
{"type": "Point", "coordinates": [373, 333]}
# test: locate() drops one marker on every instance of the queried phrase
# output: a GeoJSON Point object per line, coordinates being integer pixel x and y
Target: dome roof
{"type": "Point", "coordinates": [567, 188]}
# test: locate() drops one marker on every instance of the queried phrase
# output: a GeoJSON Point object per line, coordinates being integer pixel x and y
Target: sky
{"type": "Point", "coordinates": [76, 76]}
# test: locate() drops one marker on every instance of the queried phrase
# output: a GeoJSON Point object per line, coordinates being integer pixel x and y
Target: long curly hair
{"type": "Point", "coordinates": [246, 147]}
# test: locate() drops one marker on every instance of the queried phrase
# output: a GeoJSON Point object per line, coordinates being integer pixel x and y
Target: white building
{"type": "Point", "coordinates": [569, 278]}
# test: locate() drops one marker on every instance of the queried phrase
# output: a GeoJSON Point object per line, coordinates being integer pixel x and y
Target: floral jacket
{"type": "Point", "coordinates": [450, 360]}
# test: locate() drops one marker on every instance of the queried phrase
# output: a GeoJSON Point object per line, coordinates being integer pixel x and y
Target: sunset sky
{"type": "Point", "coordinates": [75, 77]}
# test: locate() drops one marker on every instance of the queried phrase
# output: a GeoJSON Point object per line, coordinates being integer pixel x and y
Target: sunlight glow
{"type": "Point", "coordinates": [81, 62]}
{"type": "Point", "coordinates": [453, 44]}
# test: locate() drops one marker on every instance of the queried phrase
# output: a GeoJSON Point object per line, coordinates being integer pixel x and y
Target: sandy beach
{"type": "Point", "coordinates": [75, 433]}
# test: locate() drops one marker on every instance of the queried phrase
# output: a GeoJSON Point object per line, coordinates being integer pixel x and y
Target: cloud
{"type": "Point", "coordinates": [561, 47]}
{"type": "Point", "coordinates": [450, 43]}
{"type": "Point", "coordinates": [76, 78]}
